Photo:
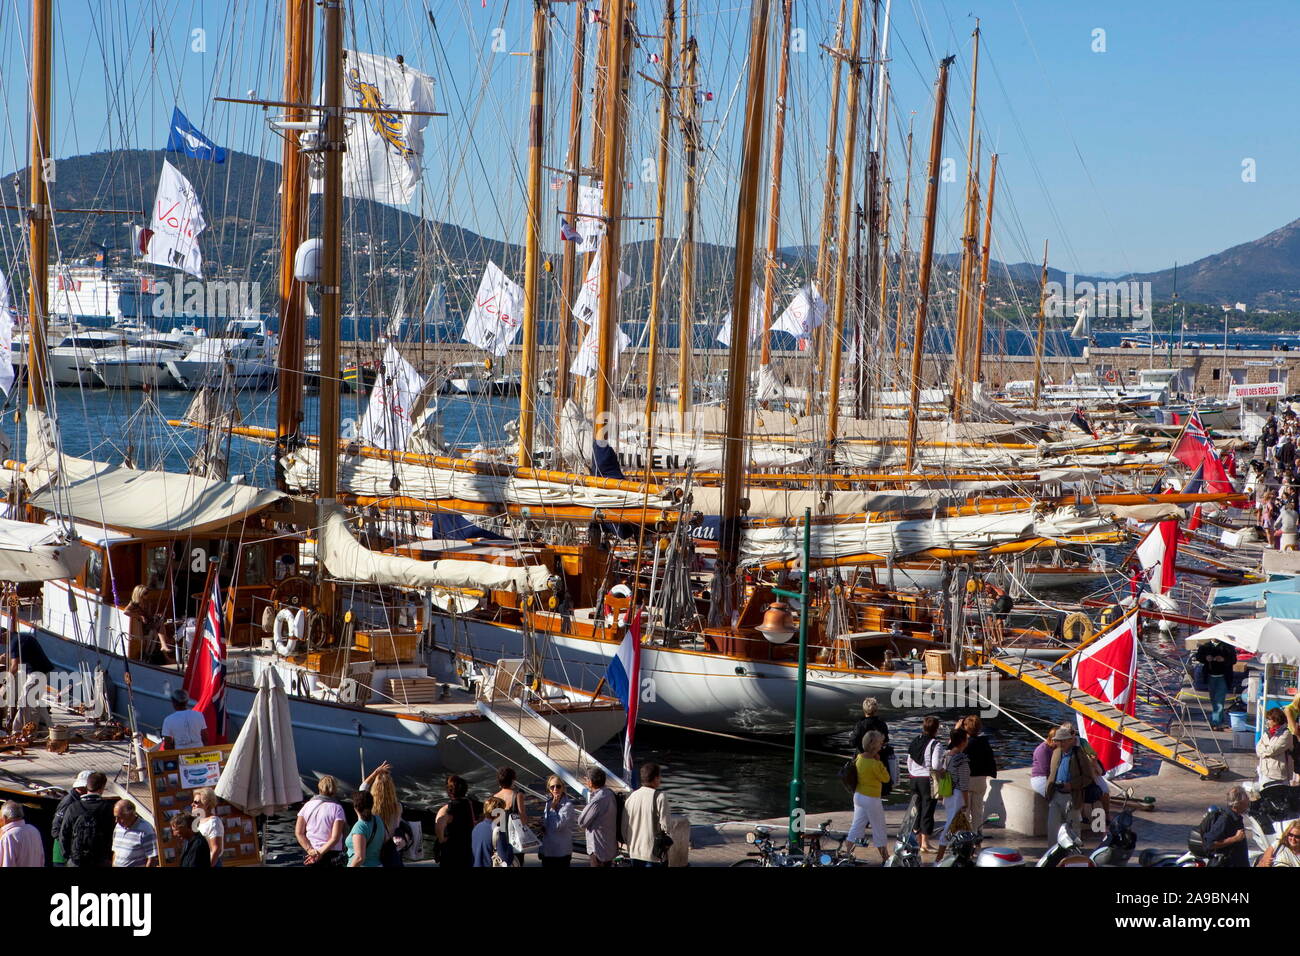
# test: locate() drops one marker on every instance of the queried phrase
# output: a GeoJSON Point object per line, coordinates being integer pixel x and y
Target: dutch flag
{"type": "Point", "coordinates": [624, 676]}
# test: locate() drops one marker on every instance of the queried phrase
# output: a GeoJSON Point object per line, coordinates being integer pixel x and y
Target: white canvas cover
{"type": "Point", "coordinates": [36, 552]}
{"type": "Point", "coordinates": [348, 559]}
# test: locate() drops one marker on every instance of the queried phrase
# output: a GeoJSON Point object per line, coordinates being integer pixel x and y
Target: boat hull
{"type": "Point", "coordinates": [243, 375]}
{"type": "Point", "coordinates": [139, 374]}
{"type": "Point", "coordinates": [329, 738]}
{"type": "Point", "coordinates": [714, 692]}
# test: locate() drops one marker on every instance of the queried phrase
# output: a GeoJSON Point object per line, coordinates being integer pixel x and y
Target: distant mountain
{"type": "Point", "coordinates": [1263, 273]}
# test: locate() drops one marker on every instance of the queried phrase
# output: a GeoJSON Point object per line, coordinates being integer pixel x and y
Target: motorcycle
{"type": "Point", "coordinates": [1117, 845]}
{"type": "Point", "coordinates": [1066, 851]}
{"type": "Point", "coordinates": [907, 852]}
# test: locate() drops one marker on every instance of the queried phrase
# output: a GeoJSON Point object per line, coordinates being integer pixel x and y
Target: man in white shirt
{"type": "Point", "coordinates": [20, 842]}
{"type": "Point", "coordinates": [184, 727]}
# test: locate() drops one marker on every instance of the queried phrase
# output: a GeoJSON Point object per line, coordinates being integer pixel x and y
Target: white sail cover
{"type": "Point", "coordinates": [755, 319]}
{"type": "Point", "coordinates": [175, 225]}
{"type": "Point", "coordinates": [588, 300]}
{"type": "Point", "coordinates": [497, 314]}
{"type": "Point", "coordinates": [6, 337]}
{"type": "Point", "coordinates": [387, 422]}
{"type": "Point", "coordinates": [435, 309]}
{"type": "Point", "coordinates": [901, 538]}
{"type": "Point", "coordinates": [348, 559]}
{"type": "Point", "coordinates": [806, 311]}
{"type": "Point", "coordinates": [261, 773]}
{"type": "Point", "coordinates": [384, 150]}
{"type": "Point", "coordinates": [37, 552]}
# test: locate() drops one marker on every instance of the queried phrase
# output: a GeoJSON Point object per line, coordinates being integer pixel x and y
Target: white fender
{"type": "Point", "coordinates": [296, 623]}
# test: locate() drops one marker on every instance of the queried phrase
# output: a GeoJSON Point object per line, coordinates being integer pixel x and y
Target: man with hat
{"type": "Point", "coordinates": [1069, 778]}
{"type": "Point", "coordinates": [184, 727]}
{"type": "Point", "coordinates": [78, 788]}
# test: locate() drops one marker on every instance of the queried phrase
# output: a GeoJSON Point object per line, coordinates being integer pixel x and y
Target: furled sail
{"type": "Point", "coordinates": [348, 559]}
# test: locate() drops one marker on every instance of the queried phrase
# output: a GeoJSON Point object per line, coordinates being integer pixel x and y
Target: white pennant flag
{"type": "Point", "coordinates": [387, 422]}
{"type": "Point", "coordinates": [6, 337]}
{"type": "Point", "coordinates": [806, 311]}
{"type": "Point", "coordinates": [590, 228]}
{"type": "Point", "coordinates": [586, 362]}
{"type": "Point", "coordinates": [173, 238]}
{"type": "Point", "coordinates": [498, 312]}
{"type": "Point", "coordinates": [384, 150]}
{"type": "Point", "coordinates": [588, 301]}
{"type": "Point", "coordinates": [755, 319]}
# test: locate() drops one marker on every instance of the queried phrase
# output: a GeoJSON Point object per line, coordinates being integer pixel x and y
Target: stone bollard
{"type": "Point", "coordinates": [1024, 811]}
{"type": "Point", "coordinates": [679, 828]}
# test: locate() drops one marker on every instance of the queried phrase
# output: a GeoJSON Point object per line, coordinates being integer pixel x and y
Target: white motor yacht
{"type": "Point", "coordinates": [144, 364]}
{"type": "Point", "coordinates": [70, 361]}
{"type": "Point", "coordinates": [246, 347]}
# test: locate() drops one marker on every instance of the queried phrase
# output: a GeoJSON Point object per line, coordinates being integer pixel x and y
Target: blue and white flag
{"type": "Point", "coordinates": [187, 138]}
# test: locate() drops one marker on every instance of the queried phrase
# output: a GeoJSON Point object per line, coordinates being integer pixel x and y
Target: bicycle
{"type": "Point", "coordinates": [842, 855]}
{"type": "Point", "coordinates": [765, 852]}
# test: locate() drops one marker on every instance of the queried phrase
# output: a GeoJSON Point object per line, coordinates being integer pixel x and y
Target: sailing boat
{"type": "Point", "coordinates": [152, 540]}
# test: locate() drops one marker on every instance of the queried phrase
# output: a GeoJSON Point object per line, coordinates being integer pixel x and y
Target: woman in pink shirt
{"type": "Point", "coordinates": [321, 825]}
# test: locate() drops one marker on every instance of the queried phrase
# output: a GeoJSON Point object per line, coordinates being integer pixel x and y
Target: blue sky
{"type": "Point", "coordinates": [1127, 159]}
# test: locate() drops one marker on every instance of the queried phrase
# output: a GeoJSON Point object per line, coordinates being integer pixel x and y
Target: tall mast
{"type": "Point", "coordinates": [816, 352]}
{"type": "Point", "coordinates": [331, 274]}
{"type": "Point", "coordinates": [774, 196]}
{"type": "Point", "coordinates": [966, 270]}
{"type": "Point", "coordinates": [836, 344]}
{"type": "Point", "coordinates": [734, 456]}
{"type": "Point", "coordinates": [38, 222]}
{"type": "Point", "coordinates": [690, 144]}
{"type": "Point", "coordinates": [293, 227]}
{"type": "Point", "coordinates": [927, 255]}
{"type": "Point", "coordinates": [1042, 330]}
{"type": "Point", "coordinates": [977, 368]}
{"type": "Point", "coordinates": [661, 194]}
{"type": "Point", "coordinates": [616, 85]}
{"type": "Point", "coordinates": [568, 267]}
{"type": "Point", "coordinates": [906, 229]}
{"type": "Point", "coordinates": [877, 370]}
{"type": "Point", "coordinates": [871, 207]}
{"type": "Point", "coordinates": [533, 240]}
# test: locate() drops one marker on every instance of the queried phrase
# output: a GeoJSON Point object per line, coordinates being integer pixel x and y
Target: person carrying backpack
{"type": "Point", "coordinates": [86, 830]}
{"type": "Point", "coordinates": [919, 773]}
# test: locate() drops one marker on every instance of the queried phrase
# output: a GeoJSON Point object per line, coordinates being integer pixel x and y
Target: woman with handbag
{"type": "Point", "coordinates": [868, 807]}
{"type": "Point", "coordinates": [389, 809]}
{"type": "Point", "coordinates": [367, 836]}
{"type": "Point", "coordinates": [952, 786]}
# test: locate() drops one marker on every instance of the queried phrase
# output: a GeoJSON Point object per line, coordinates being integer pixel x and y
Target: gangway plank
{"type": "Point", "coordinates": [1139, 731]}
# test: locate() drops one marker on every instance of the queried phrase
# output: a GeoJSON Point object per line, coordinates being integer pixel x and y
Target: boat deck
{"type": "Point", "coordinates": [36, 769]}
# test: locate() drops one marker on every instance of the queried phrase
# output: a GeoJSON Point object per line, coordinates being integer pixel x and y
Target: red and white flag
{"type": "Point", "coordinates": [1158, 553]}
{"type": "Point", "coordinates": [1107, 669]}
{"type": "Point", "coordinates": [205, 675]}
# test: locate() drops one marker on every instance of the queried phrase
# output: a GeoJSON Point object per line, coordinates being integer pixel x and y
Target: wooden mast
{"type": "Point", "coordinates": [977, 368]}
{"type": "Point", "coordinates": [533, 239]}
{"type": "Point", "coordinates": [40, 213]}
{"type": "Point", "coordinates": [616, 86]}
{"type": "Point", "coordinates": [966, 270]}
{"type": "Point", "coordinates": [774, 194]}
{"type": "Point", "coordinates": [734, 456]}
{"type": "Point", "coordinates": [294, 214]}
{"type": "Point", "coordinates": [661, 195]}
{"type": "Point", "coordinates": [836, 344]}
{"type": "Point", "coordinates": [690, 145]}
{"type": "Point", "coordinates": [927, 255]}
{"type": "Point", "coordinates": [878, 371]}
{"type": "Point", "coordinates": [906, 229]}
{"type": "Point", "coordinates": [815, 352]}
{"type": "Point", "coordinates": [1042, 330]}
{"type": "Point", "coordinates": [331, 276]}
{"type": "Point", "coordinates": [568, 267]}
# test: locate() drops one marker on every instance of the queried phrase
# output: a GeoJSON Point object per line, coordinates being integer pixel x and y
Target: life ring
{"type": "Point", "coordinates": [1078, 621]}
{"type": "Point", "coordinates": [296, 622]}
{"type": "Point", "coordinates": [1111, 376]}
